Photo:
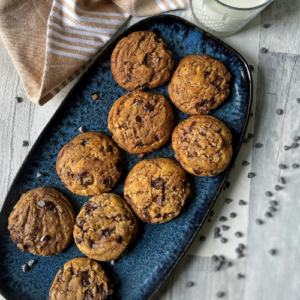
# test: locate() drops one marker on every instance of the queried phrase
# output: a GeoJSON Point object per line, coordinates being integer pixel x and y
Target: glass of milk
{"type": "Point", "coordinates": [225, 17]}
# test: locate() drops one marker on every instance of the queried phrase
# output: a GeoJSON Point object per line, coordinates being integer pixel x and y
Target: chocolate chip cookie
{"type": "Point", "coordinates": [81, 279]}
{"type": "Point", "coordinates": [157, 189]}
{"type": "Point", "coordinates": [42, 222]}
{"type": "Point", "coordinates": [202, 145]}
{"type": "Point", "coordinates": [105, 227]}
{"type": "Point", "coordinates": [141, 122]}
{"type": "Point", "coordinates": [199, 84]}
{"type": "Point", "coordinates": [90, 164]}
{"type": "Point", "coordinates": [140, 61]}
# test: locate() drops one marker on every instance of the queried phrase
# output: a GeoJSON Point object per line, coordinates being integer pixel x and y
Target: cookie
{"type": "Point", "coordinates": [90, 164]}
{"type": "Point", "coordinates": [105, 227]}
{"type": "Point", "coordinates": [157, 189]}
{"type": "Point", "coordinates": [81, 279]}
{"type": "Point", "coordinates": [140, 61]}
{"type": "Point", "coordinates": [141, 122]}
{"type": "Point", "coordinates": [202, 145]}
{"type": "Point", "coordinates": [199, 85]}
{"type": "Point", "coordinates": [42, 222]}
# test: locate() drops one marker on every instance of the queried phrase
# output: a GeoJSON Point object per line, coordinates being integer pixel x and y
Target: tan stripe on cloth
{"type": "Point", "coordinates": [51, 42]}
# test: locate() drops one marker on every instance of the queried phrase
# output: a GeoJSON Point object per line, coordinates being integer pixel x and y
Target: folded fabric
{"type": "Point", "coordinates": [53, 42]}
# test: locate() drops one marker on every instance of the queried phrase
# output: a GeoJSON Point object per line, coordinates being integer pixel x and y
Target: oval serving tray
{"type": "Point", "coordinates": [141, 272]}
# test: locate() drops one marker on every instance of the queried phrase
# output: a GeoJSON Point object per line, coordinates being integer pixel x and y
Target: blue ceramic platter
{"type": "Point", "coordinates": [140, 273]}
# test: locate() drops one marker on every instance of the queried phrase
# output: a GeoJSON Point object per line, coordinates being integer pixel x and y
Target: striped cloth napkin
{"type": "Point", "coordinates": [53, 42]}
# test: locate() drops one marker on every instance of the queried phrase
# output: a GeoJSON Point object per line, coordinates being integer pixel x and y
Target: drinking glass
{"type": "Point", "coordinates": [222, 19]}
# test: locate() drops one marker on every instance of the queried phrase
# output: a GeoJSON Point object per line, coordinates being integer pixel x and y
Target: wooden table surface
{"type": "Point", "coordinates": [276, 79]}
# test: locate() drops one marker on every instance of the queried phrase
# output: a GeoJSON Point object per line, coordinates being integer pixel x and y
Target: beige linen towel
{"type": "Point", "coordinates": [51, 42]}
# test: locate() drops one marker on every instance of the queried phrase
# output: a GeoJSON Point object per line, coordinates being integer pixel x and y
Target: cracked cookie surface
{"type": "Point", "coordinates": [140, 61]}
{"type": "Point", "coordinates": [157, 189]}
{"type": "Point", "coordinates": [105, 227]}
{"type": "Point", "coordinates": [90, 164]}
{"type": "Point", "coordinates": [81, 279]}
{"type": "Point", "coordinates": [141, 122]}
{"type": "Point", "coordinates": [42, 213]}
{"type": "Point", "coordinates": [199, 84]}
{"type": "Point", "coordinates": [202, 145]}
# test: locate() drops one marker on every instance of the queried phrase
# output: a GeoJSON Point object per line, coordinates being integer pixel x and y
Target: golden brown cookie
{"type": "Point", "coordinates": [157, 189]}
{"type": "Point", "coordinates": [105, 227]}
{"type": "Point", "coordinates": [202, 145]}
{"type": "Point", "coordinates": [199, 84]}
{"type": "Point", "coordinates": [42, 222]}
{"type": "Point", "coordinates": [81, 279]}
{"type": "Point", "coordinates": [141, 122]}
{"type": "Point", "coordinates": [140, 61]}
{"type": "Point", "coordinates": [90, 164]}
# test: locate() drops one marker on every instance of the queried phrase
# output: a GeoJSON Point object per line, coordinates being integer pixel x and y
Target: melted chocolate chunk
{"type": "Point", "coordinates": [107, 181]}
{"type": "Point", "coordinates": [138, 119]}
{"type": "Point", "coordinates": [52, 206]}
{"type": "Point", "coordinates": [148, 107]}
{"type": "Point", "coordinates": [85, 178]}
{"type": "Point", "coordinates": [90, 206]}
{"type": "Point", "coordinates": [85, 142]}
{"type": "Point", "coordinates": [109, 148]}
{"type": "Point", "coordinates": [119, 239]}
{"type": "Point", "coordinates": [85, 275]}
{"type": "Point", "coordinates": [158, 183]}
{"type": "Point", "coordinates": [106, 232]}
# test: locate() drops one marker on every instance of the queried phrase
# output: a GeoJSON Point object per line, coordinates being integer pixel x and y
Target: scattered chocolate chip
{"type": "Point", "coordinates": [217, 235]}
{"type": "Point", "coordinates": [272, 251]}
{"type": "Point", "coordinates": [232, 215]}
{"type": "Point", "coordinates": [238, 234]}
{"type": "Point", "coordinates": [223, 240]}
{"type": "Point", "coordinates": [250, 135]}
{"type": "Point", "coordinates": [228, 200]}
{"type": "Point", "coordinates": [25, 143]}
{"type": "Point", "coordinates": [279, 111]}
{"type": "Point", "coordinates": [202, 238]}
{"type": "Point", "coordinates": [227, 184]}
{"type": "Point", "coordinates": [298, 100]}
{"type": "Point", "coordinates": [286, 147]}
{"type": "Point", "coordinates": [251, 68]}
{"type": "Point", "coordinates": [282, 166]}
{"type": "Point", "coordinates": [246, 141]}
{"type": "Point", "coordinates": [294, 145]}
{"type": "Point", "coordinates": [95, 96]}
{"type": "Point", "coordinates": [225, 227]}
{"type": "Point", "coordinates": [272, 209]}
{"type": "Point", "coordinates": [25, 268]}
{"type": "Point", "coordinates": [18, 99]}
{"type": "Point", "coordinates": [217, 229]}
{"type": "Point", "coordinates": [278, 187]}
{"type": "Point", "coordinates": [240, 276]}
{"type": "Point", "coordinates": [222, 219]}
{"type": "Point", "coordinates": [258, 145]}
{"type": "Point", "coordinates": [273, 203]}
{"type": "Point", "coordinates": [214, 258]}
{"type": "Point", "coordinates": [245, 163]}
{"type": "Point", "coordinates": [44, 238]}
{"type": "Point", "coordinates": [281, 180]}
{"type": "Point", "coordinates": [189, 284]}
{"type": "Point", "coordinates": [42, 203]}
{"type": "Point", "coordinates": [242, 202]}
{"type": "Point", "coordinates": [82, 129]}
{"type": "Point", "coordinates": [220, 294]}
{"type": "Point", "coordinates": [251, 175]}
{"type": "Point", "coordinates": [296, 139]}
{"type": "Point", "coordinates": [31, 262]}
{"type": "Point", "coordinates": [295, 166]}
{"type": "Point", "coordinates": [112, 262]}
{"type": "Point", "coordinates": [258, 221]}
{"type": "Point", "coordinates": [241, 246]}
{"type": "Point", "coordinates": [268, 215]}
{"type": "Point", "coordinates": [268, 194]}
{"type": "Point", "coordinates": [264, 50]}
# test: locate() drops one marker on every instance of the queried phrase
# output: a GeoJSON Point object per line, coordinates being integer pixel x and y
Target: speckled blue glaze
{"type": "Point", "coordinates": [138, 274]}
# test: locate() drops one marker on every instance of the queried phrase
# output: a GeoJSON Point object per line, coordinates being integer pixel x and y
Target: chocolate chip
{"type": "Point", "coordinates": [272, 209]}
{"type": "Point", "coordinates": [272, 251]}
{"type": "Point", "coordinates": [189, 284]}
{"type": "Point", "coordinates": [217, 229]}
{"type": "Point", "coordinates": [223, 240]}
{"type": "Point", "coordinates": [148, 107]}
{"type": "Point", "coordinates": [222, 219]}
{"type": "Point", "coordinates": [278, 187]}
{"type": "Point", "coordinates": [25, 268]}
{"type": "Point", "coordinates": [217, 235]}
{"type": "Point", "coordinates": [18, 99]}
{"type": "Point", "coordinates": [241, 246]}
{"type": "Point", "coordinates": [296, 139]}
{"type": "Point", "coordinates": [266, 26]}
{"type": "Point", "coordinates": [281, 180]}
{"type": "Point", "coordinates": [273, 203]}
{"type": "Point", "coordinates": [251, 68]}
{"type": "Point", "coordinates": [32, 262]}
{"type": "Point", "coordinates": [294, 145]}
{"type": "Point", "coordinates": [232, 215]}
{"type": "Point", "coordinates": [227, 184]}
{"type": "Point", "coordinates": [81, 129]}
{"type": "Point", "coordinates": [109, 148]}
{"type": "Point", "coordinates": [112, 262]}
{"type": "Point", "coordinates": [282, 166]}
{"type": "Point", "coordinates": [138, 119]}
{"type": "Point", "coordinates": [85, 275]}
{"type": "Point", "coordinates": [214, 258]}
{"type": "Point", "coordinates": [286, 147]}
{"type": "Point", "coordinates": [268, 194]}
{"type": "Point", "coordinates": [245, 163]}
{"type": "Point", "coordinates": [220, 294]}
{"type": "Point", "coordinates": [42, 203]}
{"type": "Point", "coordinates": [258, 145]}
{"type": "Point", "coordinates": [158, 183]}
{"type": "Point", "coordinates": [295, 166]}
{"type": "Point", "coordinates": [107, 181]}
{"type": "Point", "coordinates": [279, 111]}
{"type": "Point", "coordinates": [258, 221]}
{"type": "Point", "coordinates": [225, 227]}
{"type": "Point", "coordinates": [242, 202]}
{"type": "Point", "coordinates": [44, 238]}
{"type": "Point", "coordinates": [251, 175]}
{"type": "Point", "coordinates": [228, 200]}
{"type": "Point", "coordinates": [238, 234]}
{"type": "Point", "coordinates": [202, 238]}
{"type": "Point", "coordinates": [25, 143]}
{"type": "Point", "coordinates": [89, 205]}
{"type": "Point", "coordinates": [40, 174]}
{"type": "Point", "coordinates": [264, 50]}
{"type": "Point", "coordinates": [119, 239]}
{"type": "Point", "coordinates": [240, 276]}
{"type": "Point", "coordinates": [268, 215]}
